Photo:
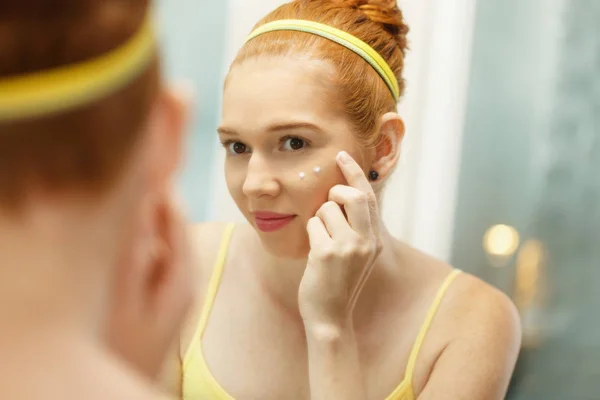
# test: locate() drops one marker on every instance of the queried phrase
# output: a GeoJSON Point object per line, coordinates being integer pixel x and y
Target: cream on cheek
{"type": "Point", "coordinates": [316, 171]}
{"type": "Point", "coordinates": [309, 184]}
{"type": "Point", "coordinates": [312, 181]}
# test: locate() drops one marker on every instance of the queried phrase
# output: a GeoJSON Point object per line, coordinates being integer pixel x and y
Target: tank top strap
{"type": "Point", "coordinates": [414, 354]}
{"type": "Point", "coordinates": [211, 292]}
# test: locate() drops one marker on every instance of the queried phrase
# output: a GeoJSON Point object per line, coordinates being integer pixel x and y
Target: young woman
{"type": "Point", "coordinates": [92, 251]}
{"type": "Point", "coordinates": [313, 298]}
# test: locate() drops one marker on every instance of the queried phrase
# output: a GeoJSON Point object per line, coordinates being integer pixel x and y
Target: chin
{"type": "Point", "coordinates": [285, 243]}
{"type": "Point", "coordinates": [284, 251]}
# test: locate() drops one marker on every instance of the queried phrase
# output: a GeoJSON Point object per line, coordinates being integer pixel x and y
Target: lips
{"type": "Point", "coordinates": [267, 221]}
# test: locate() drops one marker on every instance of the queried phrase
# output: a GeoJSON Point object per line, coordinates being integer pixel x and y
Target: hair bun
{"type": "Point", "coordinates": [384, 12]}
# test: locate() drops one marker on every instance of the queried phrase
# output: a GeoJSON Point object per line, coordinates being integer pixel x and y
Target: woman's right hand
{"type": "Point", "coordinates": [343, 248]}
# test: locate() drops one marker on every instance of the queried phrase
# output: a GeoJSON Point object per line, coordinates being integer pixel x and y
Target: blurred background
{"type": "Point", "coordinates": [501, 167]}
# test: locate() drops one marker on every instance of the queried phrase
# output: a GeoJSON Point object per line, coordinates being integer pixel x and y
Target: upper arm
{"type": "Point", "coordinates": [478, 363]}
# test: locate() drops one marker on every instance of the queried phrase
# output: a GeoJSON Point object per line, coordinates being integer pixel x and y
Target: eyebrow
{"type": "Point", "coordinates": [277, 127]}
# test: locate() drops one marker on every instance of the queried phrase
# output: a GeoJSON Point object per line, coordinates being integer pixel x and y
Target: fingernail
{"type": "Point", "coordinates": [343, 157]}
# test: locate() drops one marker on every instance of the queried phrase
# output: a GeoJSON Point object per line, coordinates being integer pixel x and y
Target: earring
{"type": "Point", "coordinates": [373, 175]}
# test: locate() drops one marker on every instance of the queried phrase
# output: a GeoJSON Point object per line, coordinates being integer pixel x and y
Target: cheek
{"type": "Point", "coordinates": [311, 192]}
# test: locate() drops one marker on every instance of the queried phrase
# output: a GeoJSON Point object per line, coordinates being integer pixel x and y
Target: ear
{"type": "Point", "coordinates": [387, 152]}
{"type": "Point", "coordinates": [167, 126]}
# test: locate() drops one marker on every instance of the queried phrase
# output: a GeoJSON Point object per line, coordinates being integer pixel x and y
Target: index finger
{"type": "Point", "coordinates": [353, 173]}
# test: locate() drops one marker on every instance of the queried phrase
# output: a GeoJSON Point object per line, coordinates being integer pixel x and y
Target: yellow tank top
{"type": "Point", "coordinates": [198, 383]}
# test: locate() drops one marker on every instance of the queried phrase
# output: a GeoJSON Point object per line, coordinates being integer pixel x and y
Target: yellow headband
{"type": "Point", "coordinates": [340, 37]}
{"type": "Point", "coordinates": [47, 92]}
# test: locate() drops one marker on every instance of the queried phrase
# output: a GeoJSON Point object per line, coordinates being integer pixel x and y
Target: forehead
{"type": "Point", "coordinates": [264, 90]}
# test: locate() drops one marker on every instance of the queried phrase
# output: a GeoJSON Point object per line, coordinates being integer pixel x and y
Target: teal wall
{"type": "Point", "coordinates": [531, 159]}
{"type": "Point", "coordinates": [193, 42]}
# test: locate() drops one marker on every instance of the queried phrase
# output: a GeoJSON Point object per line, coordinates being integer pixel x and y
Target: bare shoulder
{"type": "Point", "coordinates": [484, 344]}
{"type": "Point", "coordinates": [482, 308]}
{"type": "Point", "coordinates": [480, 336]}
{"type": "Point", "coordinates": [206, 238]}
{"type": "Point", "coordinates": [470, 305]}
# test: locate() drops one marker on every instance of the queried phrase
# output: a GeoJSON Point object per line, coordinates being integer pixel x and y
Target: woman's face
{"type": "Point", "coordinates": [282, 129]}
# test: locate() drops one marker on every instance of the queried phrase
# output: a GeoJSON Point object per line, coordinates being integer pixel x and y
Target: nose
{"type": "Point", "coordinates": [260, 181]}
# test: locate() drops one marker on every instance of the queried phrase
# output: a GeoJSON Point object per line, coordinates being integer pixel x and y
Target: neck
{"type": "Point", "coordinates": [53, 270]}
{"type": "Point", "coordinates": [281, 279]}
{"type": "Point", "coordinates": [67, 365]}
{"type": "Point", "coordinates": [54, 293]}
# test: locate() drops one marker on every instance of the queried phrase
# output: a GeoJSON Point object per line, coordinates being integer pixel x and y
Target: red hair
{"type": "Point", "coordinates": [379, 23]}
{"type": "Point", "coordinates": [82, 149]}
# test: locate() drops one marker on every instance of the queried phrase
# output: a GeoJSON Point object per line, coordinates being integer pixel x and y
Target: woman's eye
{"type": "Point", "coordinates": [237, 148]}
{"type": "Point", "coordinates": [293, 144]}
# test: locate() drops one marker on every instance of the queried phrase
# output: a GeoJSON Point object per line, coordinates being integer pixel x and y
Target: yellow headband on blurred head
{"type": "Point", "coordinates": [64, 88]}
{"type": "Point", "coordinates": [340, 37]}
